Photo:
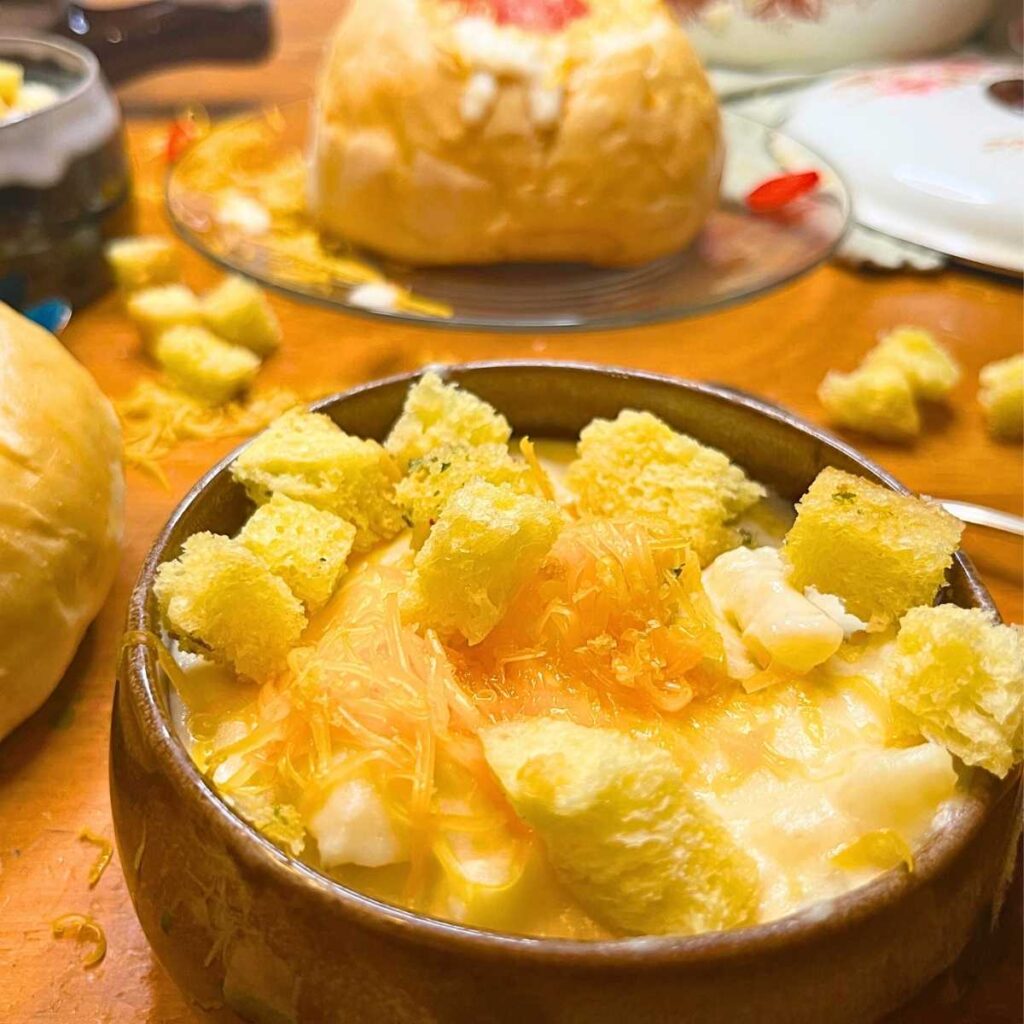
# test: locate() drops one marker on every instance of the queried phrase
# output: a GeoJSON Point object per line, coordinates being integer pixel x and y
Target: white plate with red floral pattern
{"type": "Point", "coordinates": [933, 153]}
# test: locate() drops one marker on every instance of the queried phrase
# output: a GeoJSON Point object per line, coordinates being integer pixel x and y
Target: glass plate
{"type": "Point", "coordinates": [738, 255]}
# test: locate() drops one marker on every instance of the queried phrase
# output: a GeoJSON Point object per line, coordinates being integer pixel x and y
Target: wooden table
{"type": "Point", "coordinates": [53, 779]}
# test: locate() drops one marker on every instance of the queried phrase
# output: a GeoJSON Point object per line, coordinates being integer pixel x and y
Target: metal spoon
{"type": "Point", "coordinates": [982, 515]}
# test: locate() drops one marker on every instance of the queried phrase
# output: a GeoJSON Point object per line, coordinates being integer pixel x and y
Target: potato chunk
{"type": "Point", "coordinates": [306, 456]}
{"type": "Point", "coordinates": [777, 622]}
{"type": "Point", "coordinates": [628, 839]}
{"type": "Point", "coordinates": [158, 309]}
{"type": "Point", "coordinates": [487, 542]}
{"type": "Point", "coordinates": [143, 261]}
{"type": "Point", "coordinates": [239, 312]}
{"type": "Point", "coordinates": [438, 414]}
{"type": "Point", "coordinates": [877, 401]}
{"type": "Point", "coordinates": [306, 546]}
{"type": "Point", "coordinates": [960, 677]}
{"type": "Point", "coordinates": [202, 365]}
{"type": "Point", "coordinates": [220, 600]}
{"type": "Point", "coordinates": [636, 466]}
{"type": "Point", "coordinates": [880, 552]}
{"type": "Point", "coordinates": [1002, 397]}
{"type": "Point", "coordinates": [433, 478]}
{"type": "Point", "coordinates": [931, 371]}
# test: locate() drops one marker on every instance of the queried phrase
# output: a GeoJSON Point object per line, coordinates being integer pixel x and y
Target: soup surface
{"type": "Point", "coordinates": [361, 758]}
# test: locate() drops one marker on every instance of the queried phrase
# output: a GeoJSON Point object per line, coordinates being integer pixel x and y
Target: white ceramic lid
{"type": "Point", "coordinates": [929, 155]}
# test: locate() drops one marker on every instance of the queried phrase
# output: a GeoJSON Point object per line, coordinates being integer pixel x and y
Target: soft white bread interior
{"type": "Point", "coordinates": [442, 137]}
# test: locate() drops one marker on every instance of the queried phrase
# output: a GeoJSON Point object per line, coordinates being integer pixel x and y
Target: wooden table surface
{"type": "Point", "coordinates": [53, 770]}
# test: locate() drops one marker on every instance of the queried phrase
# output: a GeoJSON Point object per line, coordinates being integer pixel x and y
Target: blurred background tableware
{"type": "Point", "coordinates": [132, 39]}
{"type": "Point", "coordinates": [739, 254]}
{"type": "Point", "coordinates": [65, 182]}
{"type": "Point", "coordinates": [815, 35]}
{"type": "Point", "coordinates": [933, 153]}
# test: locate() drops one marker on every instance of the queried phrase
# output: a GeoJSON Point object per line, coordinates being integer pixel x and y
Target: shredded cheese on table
{"type": "Point", "coordinates": [103, 858]}
{"type": "Point", "coordinates": [83, 928]}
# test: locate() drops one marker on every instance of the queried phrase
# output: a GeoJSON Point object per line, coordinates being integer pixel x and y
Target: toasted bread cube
{"type": "Point", "coordinates": [306, 546]}
{"type": "Point", "coordinates": [158, 309]}
{"type": "Point", "coordinates": [306, 456]}
{"type": "Point", "coordinates": [143, 262]}
{"type": "Point", "coordinates": [11, 77]}
{"type": "Point", "coordinates": [486, 543]}
{"type": "Point", "coordinates": [433, 478]}
{"type": "Point", "coordinates": [438, 414]}
{"type": "Point", "coordinates": [35, 96]}
{"type": "Point", "coordinates": [1002, 397]}
{"type": "Point", "coordinates": [628, 838]}
{"type": "Point", "coordinates": [239, 312]}
{"type": "Point", "coordinates": [877, 401]}
{"type": "Point", "coordinates": [929, 368]}
{"type": "Point", "coordinates": [880, 552]}
{"type": "Point", "coordinates": [637, 467]}
{"type": "Point", "coordinates": [220, 600]}
{"type": "Point", "coordinates": [959, 675]}
{"type": "Point", "coordinates": [202, 365]}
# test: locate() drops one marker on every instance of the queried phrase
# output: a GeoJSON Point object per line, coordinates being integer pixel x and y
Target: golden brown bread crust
{"type": "Point", "coordinates": [627, 173]}
{"type": "Point", "coordinates": [61, 511]}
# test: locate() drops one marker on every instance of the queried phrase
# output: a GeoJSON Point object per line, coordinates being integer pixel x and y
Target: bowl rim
{"type": "Point", "coordinates": [90, 66]}
{"type": "Point", "coordinates": [140, 675]}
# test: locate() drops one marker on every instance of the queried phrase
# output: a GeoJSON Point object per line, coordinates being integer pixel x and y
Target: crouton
{"type": "Point", "coordinates": [143, 262]}
{"type": "Point", "coordinates": [220, 600]}
{"type": "Point", "coordinates": [200, 364]}
{"type": "Point", "coordinates": [306, 456]}
{"type": "Point", "coordinates": [636, 466]}
{"type": "Point", "coordinates": [486, 543]}
{"type": "Point", "coordinates": [239, 312]}
{"type": "Point", "coordinates": [436, 414]}
{"type": "Point", "coordinates": [931, 371]}
{"type": "Point", "coordinates": [306, 546]}
{"type": "Point", "coordinates": [433, 478]}
{"type": "Point", "coordinates": [880, 552]}
{"type": "Point", "coordinates": [158, 309]}
{"type": "Point", "coordinates": [627, 837]}
{"type": "Point", "coordinates": [1002, 398]}
{"type": "Point", "coordinates": [960, 678]}
{"type": "Point", "coordinates": [877, 401]}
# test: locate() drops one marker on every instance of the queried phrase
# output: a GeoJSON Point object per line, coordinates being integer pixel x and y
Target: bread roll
{"type": "Point", "coordinates": [442, 136]}
{"type": "Point", "coordinates": [61, 504]}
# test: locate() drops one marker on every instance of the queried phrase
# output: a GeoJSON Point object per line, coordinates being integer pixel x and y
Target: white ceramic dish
{"type": "Point", "coordinates": [929, 154]}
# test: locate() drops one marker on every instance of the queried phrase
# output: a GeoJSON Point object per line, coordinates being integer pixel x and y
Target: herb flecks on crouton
{"type": "Point", "coordinates": [637, 466]}
{"type": "Point", "coordinates": [306, 456]}
{"type": "Point", "coordinates": [486, 543]}
{"type": "Point", "coordinates": [960, 678]}
{"type": "Point", "coordinates": [221, 600]}
{"type": "Point", "coordinates": [437, 414]}
{"type": "Point", "coordinates": [306, 546]}
{"type": "Point", "coordinates": [881, 552]}
{"type": "Point", "coordinates": [433, 478]}
{"type": "Point", "coordinates": [200, 364]}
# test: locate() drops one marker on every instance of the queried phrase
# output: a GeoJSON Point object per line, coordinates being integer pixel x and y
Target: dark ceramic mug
{"type": "Point", "coordinates": [132, 40]}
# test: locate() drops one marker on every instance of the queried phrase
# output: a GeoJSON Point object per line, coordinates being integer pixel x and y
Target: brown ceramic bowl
{"type": "Point", "coordinates": [234, 920]}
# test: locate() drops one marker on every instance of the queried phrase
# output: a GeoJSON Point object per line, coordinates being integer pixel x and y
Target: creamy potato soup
{"type": "Point", "coordinates": [581, 690]}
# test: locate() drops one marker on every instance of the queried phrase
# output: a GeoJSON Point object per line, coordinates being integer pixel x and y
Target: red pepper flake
{"type": "Point", "coordinates": [777, 193]}
{"type": "Point", "coordinates": [532, 15]}
{"type": "Point", "coordinates": [188, 127]}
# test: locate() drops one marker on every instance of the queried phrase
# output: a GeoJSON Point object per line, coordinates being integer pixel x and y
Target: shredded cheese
{"type": "Point", "coordinates": [103, 858]}
{"type": "Point", "coordinates": [82, 928]}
